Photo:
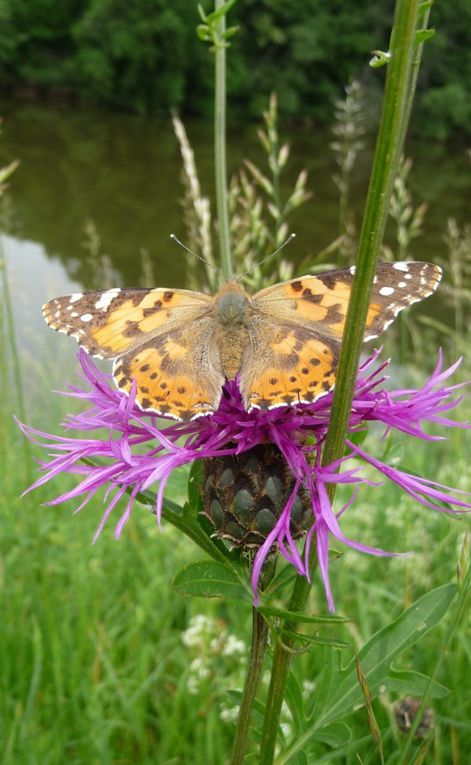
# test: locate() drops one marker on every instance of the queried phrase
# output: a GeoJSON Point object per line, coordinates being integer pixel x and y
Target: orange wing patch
{"type": "Point", "coordinates": [167, 378]}
{"type": "Point", "coordinates": [301, 370]}
{"type": "Point", "coordinates": [129, 320]}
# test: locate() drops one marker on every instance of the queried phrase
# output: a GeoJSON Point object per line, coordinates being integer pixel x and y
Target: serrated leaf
{"type": "Point", "coordinates": [376, 656]}
{"type": "Point", "coordinates": [339, 691]}
{"type": "Point", "coordinates": [300, 617]}
{"type": "Point", "coordinates": [210, 579]}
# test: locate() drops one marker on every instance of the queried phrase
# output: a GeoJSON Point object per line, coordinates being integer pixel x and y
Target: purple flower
{"type": "Point", "coordinates": [134, 453]}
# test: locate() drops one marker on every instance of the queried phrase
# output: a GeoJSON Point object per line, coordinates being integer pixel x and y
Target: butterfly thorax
{"type": "Point", "coordinates": [233, 308]}
{"type": "Point", "coordinates": [232, 305]}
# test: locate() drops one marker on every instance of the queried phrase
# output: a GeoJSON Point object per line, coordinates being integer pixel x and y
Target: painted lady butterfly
{"type": "Point", "coordinates": [283, 342]}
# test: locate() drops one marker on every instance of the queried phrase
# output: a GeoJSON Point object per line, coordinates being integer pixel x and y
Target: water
{"type": "Point", "coordinates": [123, 173]}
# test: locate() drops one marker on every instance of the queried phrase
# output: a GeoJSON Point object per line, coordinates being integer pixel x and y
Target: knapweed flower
{"type": "Point", "coordinates": [129, 451]}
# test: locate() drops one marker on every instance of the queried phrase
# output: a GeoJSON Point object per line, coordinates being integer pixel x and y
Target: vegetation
{"type": "Point", "coordinates": [98, 661]}
{"type": "Point", "coordinates": [144, 56]}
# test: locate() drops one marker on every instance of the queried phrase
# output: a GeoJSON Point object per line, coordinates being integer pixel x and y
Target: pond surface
{"type": "Point", "coordinates": [123, 173]}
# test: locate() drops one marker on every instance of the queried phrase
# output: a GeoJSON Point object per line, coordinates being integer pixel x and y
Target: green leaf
{"type": "Point", "coordinates": [210, 579]}
{"type": "Point", "coordinates": [195, 482]}
{"type": "Point", "coordinates": [282, 579]}
{"type": "Point", "coordinates": [376, 656]}
{"type": "Point", "coordinates": [203, 33]}
{"type": "Point", "coordinates": [339, 690]}
{"type": "Point", "coordinates": [335, 735]}
{"type": "Point", "coordinates": [213, 17]}
{"type": "Point", "coordinates": [423, 8]}
{"type": "Point", "coordinates": [380, 58]}
{"type": "Point", "coordinates": [411, 683]}
{"type": "Point", "coordinates": [149, 498]}
{"type": "Point", "coordinates": [422, 35]}
{"type": "Point", "coordinates": [302, 618]}
{"type": "Point", "coordinates": [294, 699]}
{"type": "Point", "coordinates": [230, 32]}
{"type": "Point", "coordinates": [202, 12]}
{"type": "Point", "coordinates": [316, 639]}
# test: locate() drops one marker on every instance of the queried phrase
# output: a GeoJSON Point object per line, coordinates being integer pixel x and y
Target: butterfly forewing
{"type": "Point", "coordinates": [108, 323]}
{"type": "Point", "coordinates": [321, 301]}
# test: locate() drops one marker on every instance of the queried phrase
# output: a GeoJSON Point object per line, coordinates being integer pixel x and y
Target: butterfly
{"type": "Point", "coordinates": [177, 347]}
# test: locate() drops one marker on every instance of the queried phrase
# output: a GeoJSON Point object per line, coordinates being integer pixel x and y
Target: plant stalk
{"type": "Point", "coordinates": [220, 164]}
{"type": "Point", "coordinates": [387, 153]}
{"type": "Point", "coordinates": [252, 679]}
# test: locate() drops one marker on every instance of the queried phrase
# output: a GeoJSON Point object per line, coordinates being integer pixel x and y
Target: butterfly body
{"type": "Point", "coordinates": [175, 348]}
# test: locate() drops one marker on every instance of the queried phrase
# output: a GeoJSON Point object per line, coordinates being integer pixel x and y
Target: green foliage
{"type": "Point", "coordinates": [145, 56]}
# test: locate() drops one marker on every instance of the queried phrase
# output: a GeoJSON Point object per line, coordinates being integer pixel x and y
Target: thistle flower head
{"type": "Point", "coordinates": [113, 444]}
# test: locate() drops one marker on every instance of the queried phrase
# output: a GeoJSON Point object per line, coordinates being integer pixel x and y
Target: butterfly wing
{"type": "Point", "coordinates": [161, 339]}
{"type": "Point", "coordinates": [286, 363]}
{"type": "Point", "coordinates": [300, 324]}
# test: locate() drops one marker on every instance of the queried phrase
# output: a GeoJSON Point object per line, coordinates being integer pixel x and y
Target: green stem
{"type": "Point", "coordinates": [387, 154]}
{"type": "Point", "coordinates": [388, 150]}
{"type": "Point", "coordinates": [252, 679]}
{"type": "Point", "coordinates": [220, 149]}
{"type": "Point", "coordinates": [279, 673]}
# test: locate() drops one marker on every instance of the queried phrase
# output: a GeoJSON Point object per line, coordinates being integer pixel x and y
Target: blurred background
{"type": "Point", "coordinates": [93, 665]}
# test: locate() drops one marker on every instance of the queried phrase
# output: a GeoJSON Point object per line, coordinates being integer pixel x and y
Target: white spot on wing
{"type": "Point", "coordinates": [86, 317]}
{"type": "Point", "coordinates": [386, 291]}
{"type": "Point", "coordinates": [402, 285]}
{"type": "Point", "coordinates": [76, 296]}
{"type": "Point", "coordinates": [104, 302]}
{"type": "Point", "coordinates": [401, 266]}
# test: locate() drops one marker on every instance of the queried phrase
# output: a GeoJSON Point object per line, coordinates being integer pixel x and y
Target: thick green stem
{"type": "Point", "coordinates": [387, 154]}
{"type": "Point", "coordinates": [220, 150]}
{"type": "Point", "coordinates": [252, 679]}
{"type": "Point", "coordinates": [388, 150]}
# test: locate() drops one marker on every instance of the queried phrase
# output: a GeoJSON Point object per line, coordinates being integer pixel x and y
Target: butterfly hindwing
{"type": "Point", "coordinates": [286, 363]}
{"type": "Point", "coordinates": [176, 374]}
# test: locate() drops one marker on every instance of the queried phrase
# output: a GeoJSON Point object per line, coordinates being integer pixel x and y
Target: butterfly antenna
{"type": "Point", "coordinates": [272, 255]}
{"type": "Point", "coordinates": [175, 239]}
